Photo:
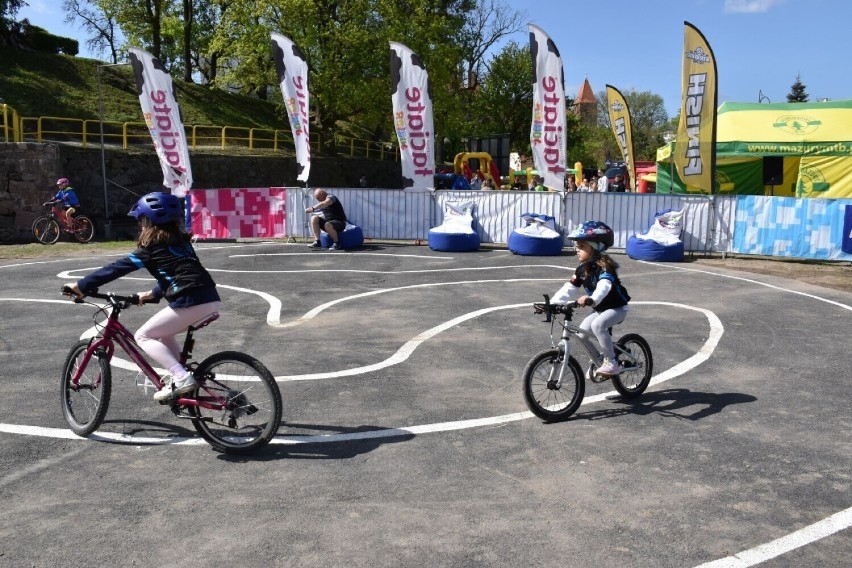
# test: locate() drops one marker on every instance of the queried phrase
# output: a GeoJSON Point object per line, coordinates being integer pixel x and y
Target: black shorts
{"type": "Point", "coordinates": [338, 226]}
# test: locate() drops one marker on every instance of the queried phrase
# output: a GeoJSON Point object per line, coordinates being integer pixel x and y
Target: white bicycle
{"type": "Point", "coordinates": [554, 382]}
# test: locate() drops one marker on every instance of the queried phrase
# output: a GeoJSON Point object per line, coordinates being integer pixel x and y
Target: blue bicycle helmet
{"type": "Point", "coordinates": [599, 236]}
{"type": "Point", "coordinates": [159, 208]}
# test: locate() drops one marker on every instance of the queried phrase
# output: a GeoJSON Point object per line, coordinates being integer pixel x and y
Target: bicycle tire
{"type": "Point", "coordinates": [254, 415]}
{"type": "Point", "coordinates": [46, 230]}
{"type": "Point", "coordinates": [84, 408]}
{"type": "Point", "coordinates": [631, 384]}
{"type": "Point", "coordinates": [84, 229]}
{"type": "Point", "coordinates": [542, 398]}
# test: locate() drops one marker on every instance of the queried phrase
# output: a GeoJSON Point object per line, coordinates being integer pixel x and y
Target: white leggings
{"type": "Point", "coordinates": [158, 336]}
{"type": "Point", "coordinates": [599, 324]}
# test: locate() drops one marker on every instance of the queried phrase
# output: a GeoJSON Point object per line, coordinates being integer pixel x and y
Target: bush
{"type": "Point", "coordinates": [45, 42]}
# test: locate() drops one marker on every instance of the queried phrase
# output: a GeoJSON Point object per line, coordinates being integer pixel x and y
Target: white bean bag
{"type": "Point", "coordinates": [456, 233]}
{"type": "Point", "coordinates": [537, 238]}
{"type": "Point", "coordinates": [352, 237]}
{"type": "Point", "coordinates": [661, 243]}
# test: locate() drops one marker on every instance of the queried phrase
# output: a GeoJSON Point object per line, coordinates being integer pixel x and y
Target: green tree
{"type": "Point", "coordinates": [797, 92]}
{"type": "Point", "coordinates": [346, 45]}
{"type": "Point", "coordinates": [649, 121]}
{"type": "Point", "coordinates": [503, 102]}
{"type": "Point", "coordinates": [8, 11]}
{"type": "Point", "coordinates": [100, 25]}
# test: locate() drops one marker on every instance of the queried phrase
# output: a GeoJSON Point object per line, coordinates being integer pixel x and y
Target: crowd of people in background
{"type": "Point", "coordinates": [596, 184]}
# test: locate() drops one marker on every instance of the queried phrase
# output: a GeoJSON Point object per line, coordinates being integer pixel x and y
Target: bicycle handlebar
{"type": "Point", "coordinates": [117, 300]}
{"type": "Point", "coordinates": [554, 309]}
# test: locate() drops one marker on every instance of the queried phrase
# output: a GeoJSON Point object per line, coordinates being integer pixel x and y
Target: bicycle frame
{"type": "Point", "coordinates": [587, 342]}
{"type": "Point", "coordinates": [584, 337]}
{"type": "Point", "coordinates": [114, 332]}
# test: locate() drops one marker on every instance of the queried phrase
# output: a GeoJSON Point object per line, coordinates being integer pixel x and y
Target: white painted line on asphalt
{"type": "Point", "coordinates": [811, 533]}
{"type": "Point", "coordinates": [403, 353]}
{"type": "Point", "coordinates": [428, 271]}
{"type": "Point", "coordinates": [424, 256]}
{"type": "Point", "coordinates": [812, 296]}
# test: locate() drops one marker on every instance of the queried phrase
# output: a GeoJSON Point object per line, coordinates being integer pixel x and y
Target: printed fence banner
{"type": "Point", "coordinates": [412, 118]}
{"type": "Point", "coordinates": [547, 134]}
{"type": "Point", "coordinates": [162, 115]}
{"type": "Point", "coordinates": [792, 227]}
{"type": "Point", "coordinates": [695, 143]}
{"type": "Point", "coordinates": [292, 69]}
{"type": "Point", "coordinates": [619, 119]}
{"type": "Point", "coordinates": [239, 213]}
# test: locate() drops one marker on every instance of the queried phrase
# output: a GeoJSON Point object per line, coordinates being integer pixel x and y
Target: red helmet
{"type": "Point", "coordinates": [63, 181]}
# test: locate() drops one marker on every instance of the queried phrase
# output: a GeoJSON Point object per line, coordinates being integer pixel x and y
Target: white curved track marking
{"type": "Point", "coordinates": [423, 256]}
{"type": "Point", "coordinates": [308, 270]}
{"type": "Point", "coordinates": [828, 526]}
{"type": "Point", "coordinates": [774, 287]}
{"type": "Point", "coordinates": [403, 353]}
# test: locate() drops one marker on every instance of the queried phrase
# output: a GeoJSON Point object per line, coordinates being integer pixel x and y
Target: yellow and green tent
{"type": "Point", "coordinates": [786, 149]}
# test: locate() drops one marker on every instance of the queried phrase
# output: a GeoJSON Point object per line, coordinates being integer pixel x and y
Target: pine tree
{"type": "Point", "coordinates": [797, 92]}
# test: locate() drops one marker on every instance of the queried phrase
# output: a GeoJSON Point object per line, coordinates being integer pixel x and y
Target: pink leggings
{"type": "Point", "coordinates": [157, 337]}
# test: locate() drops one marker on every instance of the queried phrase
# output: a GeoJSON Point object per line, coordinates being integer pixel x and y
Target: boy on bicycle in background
{"type": "Point", "coordinates": [597, 278]}
{"type": "Point", "coordinates": [67, 198]}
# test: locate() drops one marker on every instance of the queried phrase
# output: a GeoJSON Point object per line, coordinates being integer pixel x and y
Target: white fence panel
{"type": "Point", "coordinates": [398, 215]}
{"type": "Point", "coordinates": [497, 213]}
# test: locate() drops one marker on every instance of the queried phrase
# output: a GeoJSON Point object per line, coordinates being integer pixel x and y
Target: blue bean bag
{"type": "Point", "coordinates": [661, 243]}
{"type": "Point", "coordinates": [647, 249]}
{"type": "Point", "coordinates": [537, 238]}
{"type": "Point", "coordinates": [456, 233]}
{"type": "Point", "coordinates": [352, 237]}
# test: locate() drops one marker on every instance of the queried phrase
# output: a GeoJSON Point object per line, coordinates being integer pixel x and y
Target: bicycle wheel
{"type": "Point", "coordinates": [252, 411]}
{"type": "Point", "coordinates": [84, 229]}
{"type": "Point", "coordinates": [85, 405]}
{"type": "Point", "coordinates": [634, 354]}
{"type": "Point", "coordinates": [46, 230]}
{"type": "Point", "coordinates": [543, 397]}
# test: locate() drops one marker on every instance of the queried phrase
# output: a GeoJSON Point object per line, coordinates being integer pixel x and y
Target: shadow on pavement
{"type": "Point", "coordinates": [674, 403]}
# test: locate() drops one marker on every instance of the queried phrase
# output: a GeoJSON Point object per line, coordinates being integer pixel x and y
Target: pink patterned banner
{"type": "Point", "coordinates": [239, 213]}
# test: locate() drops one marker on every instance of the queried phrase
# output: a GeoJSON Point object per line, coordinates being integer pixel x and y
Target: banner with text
{"type": "Point", "coordinates": [695, 143]}
{"type": "Point", "coordinates": [292, 69]}
{"type": "Point", "coordinates": [619, 119]}
{"type": "Point", "coordinates": [412, 118]}
{"type": "Point", "coordinates": [162, 116]}
{"type": "Point", "coordinates": [547, 134]}
{"type": "Point", "coordinates": [238, 213]}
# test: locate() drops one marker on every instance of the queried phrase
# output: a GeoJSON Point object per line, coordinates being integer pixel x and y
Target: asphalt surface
{"type": "Point", "coordinates": [406, 441]}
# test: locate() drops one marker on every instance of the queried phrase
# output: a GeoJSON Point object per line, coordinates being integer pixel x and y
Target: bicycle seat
{"type": "Point", "coordinates": [205, 321]}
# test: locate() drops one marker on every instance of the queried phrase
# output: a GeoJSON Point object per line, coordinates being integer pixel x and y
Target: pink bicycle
{"type": "Point", "coordinates": [236, 407]}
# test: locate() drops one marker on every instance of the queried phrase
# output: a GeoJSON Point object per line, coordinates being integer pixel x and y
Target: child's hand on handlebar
{"type": "Point", "coordinates": [146, 297]}
{"type": "Point", "coordinates": [74, 291]}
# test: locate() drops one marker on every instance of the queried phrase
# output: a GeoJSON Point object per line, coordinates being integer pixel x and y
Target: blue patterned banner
{"type": "Point", "coordinates": [790, 227]}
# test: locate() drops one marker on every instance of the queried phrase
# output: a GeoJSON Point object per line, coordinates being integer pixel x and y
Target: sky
{"type": "Point", "coordinates": [760, 45]}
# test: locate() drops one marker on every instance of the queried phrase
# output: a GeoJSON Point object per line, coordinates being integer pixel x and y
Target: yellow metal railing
{"type": "Point", "coordinates": [125, 134]}
{"type": "Point", "coordinates": [11, 125]}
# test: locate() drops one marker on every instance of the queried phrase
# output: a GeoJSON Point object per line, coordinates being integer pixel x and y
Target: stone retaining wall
{"type": "Point", "coordinates": [28, 173]}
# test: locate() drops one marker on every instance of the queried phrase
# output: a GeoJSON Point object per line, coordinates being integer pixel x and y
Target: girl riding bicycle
{"type": "Point", "coordinates": [67, 198]}
{"type": "Point", "coordinates": [597, 277]}
{"type": "Point", "coordinates": [165, 250]}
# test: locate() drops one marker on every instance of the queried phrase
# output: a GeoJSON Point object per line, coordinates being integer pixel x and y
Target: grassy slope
{"type": "Point", "coordinates": [38, 84]}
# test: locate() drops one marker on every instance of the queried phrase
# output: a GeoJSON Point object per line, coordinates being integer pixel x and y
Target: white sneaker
{"type": "Point", "coordinates": [609, 368]}
{"type": "Point", "coordinates": [176, 388]}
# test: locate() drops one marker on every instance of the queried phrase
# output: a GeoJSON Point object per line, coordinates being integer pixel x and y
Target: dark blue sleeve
{"type": "Point", "coordinates": [110, 272]}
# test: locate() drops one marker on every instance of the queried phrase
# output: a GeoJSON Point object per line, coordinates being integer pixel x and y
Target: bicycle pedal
{"type": "Point", "coordinates": [597, 379]}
